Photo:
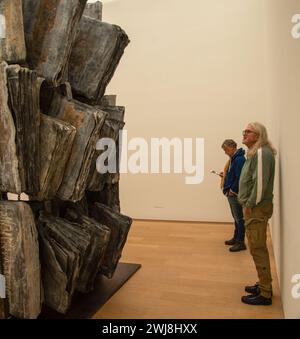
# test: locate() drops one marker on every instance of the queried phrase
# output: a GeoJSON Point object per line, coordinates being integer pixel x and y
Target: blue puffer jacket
{"type": "Point", "coordinates": [232, 177]}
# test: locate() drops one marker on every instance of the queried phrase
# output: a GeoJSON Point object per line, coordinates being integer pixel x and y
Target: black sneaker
{"type": "Point", "coordinates": [256, 300]}
{"type": "Point", "coordinates": [238, 246]}
{"type": "Point", "coordinates": [230, 242]}
{"type": "Point", "coordinates": [254, 290]}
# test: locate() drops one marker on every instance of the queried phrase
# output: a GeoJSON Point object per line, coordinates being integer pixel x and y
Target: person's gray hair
{"type": "Point", "coordinates": [262, 140]}
{"type": "Point", "coordinates": [229, 143]}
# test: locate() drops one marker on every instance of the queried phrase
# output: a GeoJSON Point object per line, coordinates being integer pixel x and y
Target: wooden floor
{"type": "Point", "coordinates": [187, 272]}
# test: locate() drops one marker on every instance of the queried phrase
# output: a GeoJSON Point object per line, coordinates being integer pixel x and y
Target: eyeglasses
{"type": "Point", "coordinates": [247, 131]}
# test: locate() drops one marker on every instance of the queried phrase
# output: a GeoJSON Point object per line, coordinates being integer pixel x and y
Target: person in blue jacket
{"type": "Point", "coordinates": [230, 186]}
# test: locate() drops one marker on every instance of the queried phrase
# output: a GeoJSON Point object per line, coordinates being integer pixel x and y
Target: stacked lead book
{"type": "Point", "coordinates": [57, 57]}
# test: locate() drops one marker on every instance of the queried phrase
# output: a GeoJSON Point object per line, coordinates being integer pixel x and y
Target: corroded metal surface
{"type": "Point", "coordinates": [9, 171]}
{"type": "Point", "coordinates": [63, 246]}
{"type": "Point", "coordinates": [111, 128]}
{"type": "Point", "coordinates": [50, 29]}
{"type": "Point", "coordinates": [95, 56]}
{"type": "Point", "coordinates": [56, 141]}
{"type": "Point", "coordinates": [119, 226]}
{"type": "Point", "coordinates": [12, 41]}
{"type": "Point", "coordinates": [93, 10]}
{"type": "Point", "coordinates": [109, 196]}
{"type": "Point", "coordinates": [108, 100]}
{"type": "Point", "coordinates": [88, 122]}
{"type": "Point", "coordinates": [19, 249]}
{"type": "Point", "coordinates": [72, 252]}
{"type": "Point", "coordinates": [100, 235]}
{"type": "Point", "coordinates": [23, 88]}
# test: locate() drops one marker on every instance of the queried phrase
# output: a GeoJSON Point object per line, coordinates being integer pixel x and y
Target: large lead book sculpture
{"type": "Point", "coordinates": [52, 114]}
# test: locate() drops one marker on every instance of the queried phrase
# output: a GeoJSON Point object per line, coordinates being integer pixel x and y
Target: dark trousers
{"type": "Point", "coordinates": [237, 213]}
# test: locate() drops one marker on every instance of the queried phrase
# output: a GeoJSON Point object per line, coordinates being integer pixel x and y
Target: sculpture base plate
{"type": "Point", "coordinates": [85, 306]}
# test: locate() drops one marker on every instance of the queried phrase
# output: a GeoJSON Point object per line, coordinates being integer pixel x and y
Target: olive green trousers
{"type": "Point", "coordinates": [256, 224]}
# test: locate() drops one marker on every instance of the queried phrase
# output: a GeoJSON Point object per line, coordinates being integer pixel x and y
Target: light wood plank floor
{"type": "Point", "coordinates": [187, 272]}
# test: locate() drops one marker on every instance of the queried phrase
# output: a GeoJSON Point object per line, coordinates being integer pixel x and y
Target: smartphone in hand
{"type": "Point", "coordinates": [217, 173]}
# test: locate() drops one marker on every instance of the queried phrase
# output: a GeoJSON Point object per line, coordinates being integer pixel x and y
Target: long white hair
{"type": "Point", "coordinates": [262, 140]}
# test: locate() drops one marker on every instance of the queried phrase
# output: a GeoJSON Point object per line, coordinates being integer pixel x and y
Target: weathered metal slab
{"type": "Point", "coordinates": [100, 235]}
{"type": "Point", "coordinates": [97, 51]}
{"type": "Point", "coordinates": [63, 247]}
{"type": "Point", "coordinates": [50, 30]}
{"type": "Point", "coordinates": [12, 41]}
{"type": "Point", "coordinates": [9, 165]}
{"type": "Point", "coordinates": [88, 122]}
{"type": "Point", "coordinates": [94, 10]}
{"type": "Point", "coordinates": [56, 141]}
{"type": "Point", "coordinates": [111, 128]}
{"type": "Point", "coordinates": [119, 226]}
{"type": "Point", "coordinates": [19, 249]}
{"type": "Point", "coordinates": [23, 89]}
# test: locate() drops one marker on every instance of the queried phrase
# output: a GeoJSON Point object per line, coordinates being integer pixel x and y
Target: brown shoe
{"type": "Point", "coordinates": [238, 246]}
{"type": "Point", "coordinates": [230, 242]}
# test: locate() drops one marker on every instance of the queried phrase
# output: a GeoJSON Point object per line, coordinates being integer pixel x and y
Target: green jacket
{"type": "Point", "coordinates": [257, 179]}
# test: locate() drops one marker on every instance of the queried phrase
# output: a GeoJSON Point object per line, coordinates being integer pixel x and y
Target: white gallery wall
{"type": "Point", "coordinates": [193, 69]}
{"type": "Point", "coordinates": [283, 104]}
